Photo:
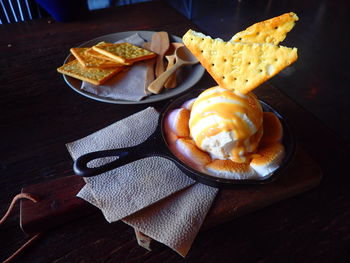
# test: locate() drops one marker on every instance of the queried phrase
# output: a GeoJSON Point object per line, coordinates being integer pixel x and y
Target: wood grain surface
{"type": "Point", "coordinates": [40, 113]}
{"type": "Point", "coordinates": [58, 203]}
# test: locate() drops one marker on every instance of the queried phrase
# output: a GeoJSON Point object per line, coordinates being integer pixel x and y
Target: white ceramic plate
{"type": "Point", "coordinates": [189, 76]}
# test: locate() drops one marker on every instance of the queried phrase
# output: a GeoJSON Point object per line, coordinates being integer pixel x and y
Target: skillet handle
{"type": "Point", "coordinates": [123, 155]}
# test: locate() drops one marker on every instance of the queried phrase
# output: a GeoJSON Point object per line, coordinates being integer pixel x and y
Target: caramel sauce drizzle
{"type": "Point", "coordinates": [231, 113]}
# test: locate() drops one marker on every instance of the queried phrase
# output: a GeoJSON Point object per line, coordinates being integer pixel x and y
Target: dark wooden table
{"type": "Point", "coordinates": [40, 113]}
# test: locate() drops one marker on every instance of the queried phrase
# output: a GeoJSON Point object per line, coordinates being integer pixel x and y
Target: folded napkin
{"type": "Point", "coordinates": [126, 85]}
{"type": "Point", "coordinates": [150, 194]}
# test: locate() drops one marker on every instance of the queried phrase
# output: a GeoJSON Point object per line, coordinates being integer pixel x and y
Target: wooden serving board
{"type": "Point", "coordinates": [58, 202]}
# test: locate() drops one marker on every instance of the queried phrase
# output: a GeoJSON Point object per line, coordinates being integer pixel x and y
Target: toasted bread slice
{"type": "Point", "coordinates": [90, 61]}
{"type": "Point", "coordinates": [123, 52]}
{"type": "Point", "coordinates": [239, 66]}
{"type": "Point", "coordinates": [96, 76]}
{"type": "Point", "coordinates": [271, 31]}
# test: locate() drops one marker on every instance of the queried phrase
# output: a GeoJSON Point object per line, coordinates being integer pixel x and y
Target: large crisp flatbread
{"type": "Point", "coordinates": [236, 65]}
{"type": "Point", "coordinates": [272, 31]}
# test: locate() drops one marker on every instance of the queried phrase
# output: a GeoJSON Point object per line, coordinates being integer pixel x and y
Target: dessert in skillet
{"type": "Point", "coordinates": [224, 131]}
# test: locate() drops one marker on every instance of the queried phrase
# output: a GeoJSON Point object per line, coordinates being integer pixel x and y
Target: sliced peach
{"type": "Point", "coordinates": [273, 130]}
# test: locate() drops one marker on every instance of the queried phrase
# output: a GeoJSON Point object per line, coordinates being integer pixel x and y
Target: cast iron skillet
{"type": "Point", "coordinates": [156, 145]}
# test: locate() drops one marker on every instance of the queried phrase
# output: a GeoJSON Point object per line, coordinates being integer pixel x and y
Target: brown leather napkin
{"type": "Point", "coordinates": [150, 194]}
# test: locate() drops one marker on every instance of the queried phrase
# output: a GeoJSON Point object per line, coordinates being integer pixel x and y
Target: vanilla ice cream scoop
{"type": "Point", "coordinates": [226, 124]}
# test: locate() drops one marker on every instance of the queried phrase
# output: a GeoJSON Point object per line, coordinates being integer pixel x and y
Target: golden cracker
{"type": "Point", "coordinates": [272, 31]}
{"type": "Point", "coordinates": [96, 54]}
{"type": "Point", "coordinates": [90, 61]}
{"type": "Point", "coordinates": [123, 52]}
{"type": "Point", "coordinates": [96, 76]}
{"type": "Point", "coordinates": [239, 66]}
